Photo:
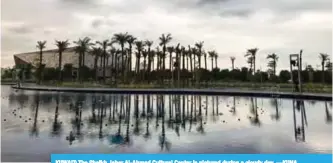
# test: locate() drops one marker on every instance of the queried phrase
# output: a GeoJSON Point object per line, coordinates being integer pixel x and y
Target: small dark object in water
{"type": "Point", "coordinates": [158, 125]}
{"type": "Point", "coordinates": [14, 114]}
{"type": "Point", "coordinates": [221, 114]}
{"type": "Point", "coordinates": [204, 123]}
{"type": "Point", "coordinates": [60, 122]}
{"type": "Point", "coordinates": [238, 119]}
{"type": "Point", "coordinates": [132, 125]}
{"type": "Point", "coordinates": [43, 120]}
{"type": "Point", "coordinates": [227, 105]}
{"type": "Point", "coordinates": [81, 124]}
{"type": "Point", "coordinates": [25, 121]}
{"type": "Point", "coordinates": [14, 109]}
{"type": "Point", "coordinates": [4, 120]}
{"type": "Point", "coordinates": [20, 116]}
{"type": "Point", "coordinates": [29, 119]}
{"type": "Point", "coordinates": [106, 124]}
{"type": "Point", "coordinates": [223, 121]}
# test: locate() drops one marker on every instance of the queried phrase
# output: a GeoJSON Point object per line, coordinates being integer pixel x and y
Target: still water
{"type": "Point", "coordinates": [36, 124]}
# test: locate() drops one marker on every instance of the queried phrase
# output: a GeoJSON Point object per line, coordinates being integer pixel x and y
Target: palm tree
{"type": "Point", "coordinates": [329, 65]}
{"type": "Point", "coordinates": [62, 46]}
{"type": "Point", "coordinates": [323, 58]}
{"type": "Point", "coordinates": [233, 62]}
{"type": "Point", "coordinates": [113, 53]}
{"type": "Point", "coordinates": [250, 62]}
{"type": "Point", "coordinates": [82, 46]}
{"type": "Point", "coordinates": [178, 51]}
{"type": "Point", "coordinates": [40, 45]}
{"type": "Point", "coordinates": [150, 56]}
{"type": "Point", "coordinates": [211, 55]}
{"type": "Point", "coordinates": [170, 49]}
{"type": "Point", "coordinates": [199, 46]}
{"type": "Point", "coordinates": [272, 63]}
{"type": "Point", "coordinates": [205, 57]}
{"type": "Point", "coordinates": [251, 53]}
{"type": "Point", "coordinates": [104, 44]}
{"type": "Point", "coordinates": [164, 40]}
{"type": "Point", "coordinates": [130, 42]}
{"type": "Point", "coordinates": [216, 56]}
{"type": "Point", "coordinates": [144, 55]}
{"type": "Point", "coordinates": [121, 39]}
{"type": "Point", "coordinates": [139, 47]}
{"type": "Point", "coordinates": [97, 52]}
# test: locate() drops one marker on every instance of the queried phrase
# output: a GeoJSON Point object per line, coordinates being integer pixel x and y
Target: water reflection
{"type": "Point", "coordinates": [275, 104]}
{"type": "Point", "coordinates": [254, 119]}
{"type": "Point", "coordinates": [299, 111]}
{"type": "Point", "coordinates": [167, 121]}
{"type": "Point", "coordinates": [328, 113]}
{"type": "Point", "coordinates": [34, 130]}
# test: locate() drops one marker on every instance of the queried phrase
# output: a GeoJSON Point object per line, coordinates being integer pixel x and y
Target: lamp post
{"type": "Point", "coordinates": [295, 61]}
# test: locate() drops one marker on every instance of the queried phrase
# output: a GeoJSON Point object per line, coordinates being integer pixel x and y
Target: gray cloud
{"type": "Point", "coordinates": [228, 26]}
{"type": "Point", "coordinates": [20, 29]}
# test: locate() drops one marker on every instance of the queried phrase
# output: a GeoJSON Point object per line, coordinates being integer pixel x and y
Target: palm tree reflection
{"type": "Point", "coordinates": [147, 134]}
{"type": "Point", "coordinates": [277, 114]}
{"type": "Point", "coordinates": [328, 114]}
{"type": "Point", "coordinates": [34, 130]}
{"type": "Point", "coordinates": [56, 127]}
{"type": "Point", "coordinates": [163, 142]}
{"type": "Point", "coordinates": [254, 111]}
{"type": "Point", "coordinates": [200, 118]}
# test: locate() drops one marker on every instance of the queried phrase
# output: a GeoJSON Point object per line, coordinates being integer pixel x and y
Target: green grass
{"type": "Point", "coordinates": [285, 87]}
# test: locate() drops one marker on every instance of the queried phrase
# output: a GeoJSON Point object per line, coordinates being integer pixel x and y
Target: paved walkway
{"type": "Point", "coordinates": [205, 91]}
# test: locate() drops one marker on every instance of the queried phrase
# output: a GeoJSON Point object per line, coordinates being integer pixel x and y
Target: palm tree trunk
{"type": "Point", "coordinates": [95, 67]}
{"type": "Point", "coordinates": [144, 68]}
{"type": "Point", "coordinates": [111, 66]}
{"type": "Point", "coordinates": [122, 61]}
{"type": "Point", "coordinates": [274, 68]}
{"type": "Point", "coordinates": [40, 65]}
{"type": "Point", "coordinates": [104, 59]}
{"type": "Point", "coordinates": [323, 72]}
{"type": "Point", "coordinates": [149, 61]}
{"type": "Point", "coordinates": [59, 66]}
{"type": "Point", "coordinates": [212, 63]}
{"type": "Point", "coordinates": [130, 58]}
{"type": "Point", "coordinates": [79, 67]}
{"type": "Point", "coordinates": [254, 64]}
{"type": "Point", "coordinates": [205, 62]}
{"type": "Point", "coordinates": [215, 63]}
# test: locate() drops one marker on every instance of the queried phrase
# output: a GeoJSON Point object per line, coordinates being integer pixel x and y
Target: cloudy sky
{"type": "Point", "coordinates": [227, 26]}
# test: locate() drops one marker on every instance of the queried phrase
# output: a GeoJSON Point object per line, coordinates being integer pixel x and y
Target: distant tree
{"type": "Point", "coordinates": [272, 63]}
{"type": "Point", "coordinates": [40, 46]}
{"type": "Point", "coordinates": [284, 76]}
{"type": "Point", "coordinates": [62, 46]}
{"type": "Point", "coordinates": [323, 58]}
{"type": "Point", "coordinates": [251, 54]}
{"type": "Point", "coordinates": [232, 62]}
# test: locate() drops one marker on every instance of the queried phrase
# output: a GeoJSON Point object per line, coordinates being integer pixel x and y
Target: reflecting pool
{"type": "Point", "coordinates": [36, 124]}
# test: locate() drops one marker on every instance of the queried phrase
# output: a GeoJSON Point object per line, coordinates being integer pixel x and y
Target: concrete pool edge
{"type": "Point", "coordinates": [225, 92]}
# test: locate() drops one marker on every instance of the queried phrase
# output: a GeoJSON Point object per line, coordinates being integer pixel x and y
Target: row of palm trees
{"type": "Point", "coordinates": [181, 58]}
